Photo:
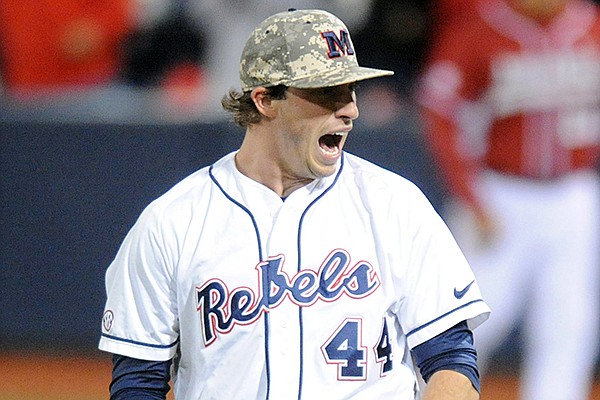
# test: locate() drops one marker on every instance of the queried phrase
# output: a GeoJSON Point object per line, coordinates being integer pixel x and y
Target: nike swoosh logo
{"type": "Point", "coordinates": [459, 294]}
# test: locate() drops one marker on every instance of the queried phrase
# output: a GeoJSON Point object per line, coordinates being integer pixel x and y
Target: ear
{"type": "Point", "coordinates": [263, 102]}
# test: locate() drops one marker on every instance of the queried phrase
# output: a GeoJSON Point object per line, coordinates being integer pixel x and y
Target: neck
{"type": "Point", "coordinates": [255, 161]}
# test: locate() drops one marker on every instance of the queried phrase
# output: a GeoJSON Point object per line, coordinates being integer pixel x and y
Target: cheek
{"type": "Point", "coordinates": [303, 133]}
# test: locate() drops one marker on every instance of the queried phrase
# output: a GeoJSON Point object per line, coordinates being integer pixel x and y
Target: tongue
{"type": "Point", "coordinates": [328, 142]}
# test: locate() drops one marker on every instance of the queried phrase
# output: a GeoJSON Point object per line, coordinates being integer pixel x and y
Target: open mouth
{"type": "Point", "coordinates": [331, 142]}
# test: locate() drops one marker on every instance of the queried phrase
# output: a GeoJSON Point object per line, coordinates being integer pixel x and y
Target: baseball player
{"type": "Point", "coordinates": [511, 105]}
{"type": "Point", "coordinates": [290, 269]}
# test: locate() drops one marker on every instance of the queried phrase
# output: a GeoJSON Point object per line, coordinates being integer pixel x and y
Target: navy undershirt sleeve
{"type": "Point", "coordinates": [453, 349]}
{"type": "Point", "coordinates": [450, 350]}
{"type": "Point", "coordinates": [134, 379]}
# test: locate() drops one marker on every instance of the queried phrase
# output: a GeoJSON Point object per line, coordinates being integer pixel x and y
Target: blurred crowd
{"type": "Point", "coordinates": [184, 52]}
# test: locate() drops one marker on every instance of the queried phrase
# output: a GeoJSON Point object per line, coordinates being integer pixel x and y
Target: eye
{"type": "Point", "coordinates": [324, 92]}
{"type": "Point", "coordinates": [334, 91]}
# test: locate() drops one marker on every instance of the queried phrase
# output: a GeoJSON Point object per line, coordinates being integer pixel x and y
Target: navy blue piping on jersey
{"type": "Point", "coordinates": [441, 316]}
{"type": "Point", "coordinates": [260, 259]}
{"type": "Point", "coordinates": [299, 269]}
{"type": "Point", "coordinates": [154, 346]}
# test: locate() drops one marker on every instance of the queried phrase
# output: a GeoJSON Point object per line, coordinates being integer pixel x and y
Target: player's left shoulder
{"type": "Point", "coordinates": [377, 179]}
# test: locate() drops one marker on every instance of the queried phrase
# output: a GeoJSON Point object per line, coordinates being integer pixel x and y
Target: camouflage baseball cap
{"type": "Point", "coordinates": [301, 49]}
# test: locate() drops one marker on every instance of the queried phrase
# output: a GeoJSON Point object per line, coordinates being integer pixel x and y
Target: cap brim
{"type": "Point", "coordinates": [338, 77]}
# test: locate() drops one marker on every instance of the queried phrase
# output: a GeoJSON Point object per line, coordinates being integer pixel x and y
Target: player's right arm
{"type": "Point", "coordinates": [140, 322]}
{"type": "Point", "coordinates": [134, 379]}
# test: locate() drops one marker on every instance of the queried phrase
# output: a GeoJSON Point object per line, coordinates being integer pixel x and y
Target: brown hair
{"type": "Point", "coordinates": [242, 107]}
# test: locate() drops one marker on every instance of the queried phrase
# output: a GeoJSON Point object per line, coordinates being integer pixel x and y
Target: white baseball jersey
{"type": "Point", "coordinates": [320, 295]}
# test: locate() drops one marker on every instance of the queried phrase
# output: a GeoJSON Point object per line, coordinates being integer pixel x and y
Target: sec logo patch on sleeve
{"type": "Point", "coordinates": [107, 320]}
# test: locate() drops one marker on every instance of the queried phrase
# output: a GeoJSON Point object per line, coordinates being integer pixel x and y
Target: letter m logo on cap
{"type": "Point", "coordinates": [338, 45]}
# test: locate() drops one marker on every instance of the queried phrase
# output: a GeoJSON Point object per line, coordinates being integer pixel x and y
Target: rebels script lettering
{"type": "Point", "coordinates": [221, 309]}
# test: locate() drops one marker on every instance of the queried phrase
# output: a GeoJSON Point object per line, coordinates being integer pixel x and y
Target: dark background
{"type": "Point", "coordinates": [70, 192]}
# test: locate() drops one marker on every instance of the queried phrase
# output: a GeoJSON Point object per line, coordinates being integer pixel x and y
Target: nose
{"type": "Point", "coordinates": [348, 109]}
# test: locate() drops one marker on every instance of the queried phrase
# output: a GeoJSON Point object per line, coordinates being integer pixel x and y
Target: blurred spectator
{"type": "Point", "coordinates": [511, 105]}
{"type": "Point", "coordinates": [166, 51]}
{"type": "Point", "coordinates": [395, 37]}
{"type": "Point", "coordinates": [51, 44]}
{"type": "Point", "coordinates": [447, 13]}
{"type": "Point", "coordinates": [150, 52]}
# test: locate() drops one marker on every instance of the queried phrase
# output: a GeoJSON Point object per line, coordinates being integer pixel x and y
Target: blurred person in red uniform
{"type": "Point", "coordinates": [52, 44]}
{"type": "Point", "coordinates": [511, 109]}
{"type": "Point", "coordinates": [445, 13]}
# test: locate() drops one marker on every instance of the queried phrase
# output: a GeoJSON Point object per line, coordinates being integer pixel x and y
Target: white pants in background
{"type": "Point", "coordinates": [541, 269]}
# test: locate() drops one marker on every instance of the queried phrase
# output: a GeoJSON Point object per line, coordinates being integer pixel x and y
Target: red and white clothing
{"type": "Point", "coordinates": [536, 87]}
{"type": "Point", "coordinates": [511, 110]}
